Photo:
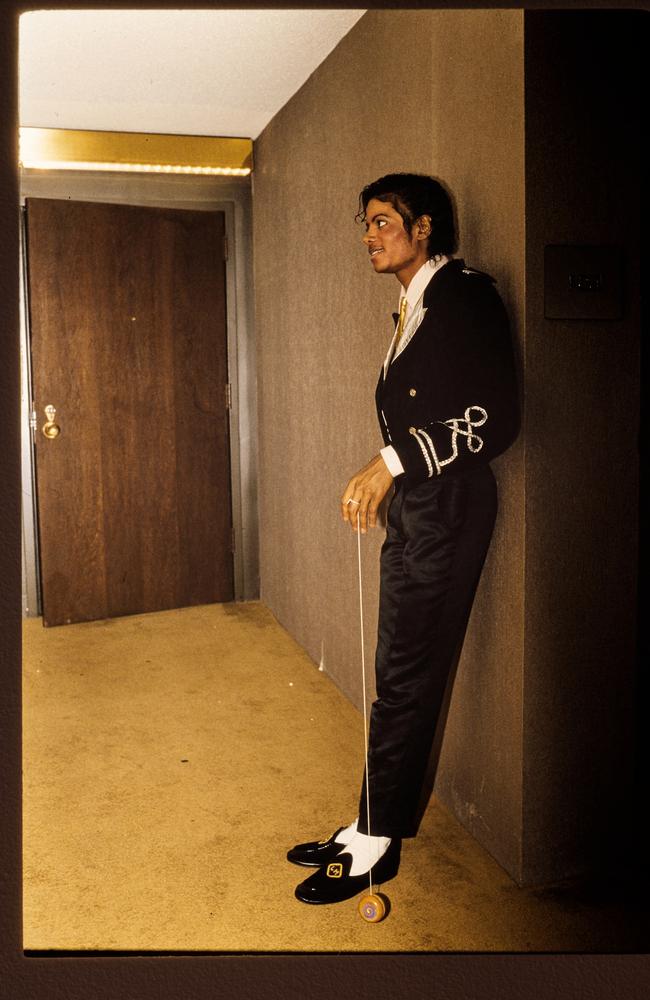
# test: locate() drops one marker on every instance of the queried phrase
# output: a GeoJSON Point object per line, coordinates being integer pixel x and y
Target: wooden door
{"type": "Point", "coordinates": [128, 343]}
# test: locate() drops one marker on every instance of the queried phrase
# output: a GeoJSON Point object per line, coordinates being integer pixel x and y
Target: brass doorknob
{"type": "Point", "coordinates": [50, 429]}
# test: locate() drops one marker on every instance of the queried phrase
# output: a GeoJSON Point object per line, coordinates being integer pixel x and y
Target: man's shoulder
{"type": "Point", "coordinates": [466, 293]}
{"type": "Point", "coordinates": [460, 277]}
{"type": "Point", "coordinates": [462, 283]}
{"type": "Point", "coordinates": [473, 274]}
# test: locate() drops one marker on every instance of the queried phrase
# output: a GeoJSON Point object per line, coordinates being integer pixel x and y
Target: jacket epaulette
{"type": "Point", "coordinates": [472, 271]}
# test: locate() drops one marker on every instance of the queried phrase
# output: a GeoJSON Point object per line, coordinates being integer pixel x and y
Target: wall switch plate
{"type": "Point", "coordinates": [583, 282]}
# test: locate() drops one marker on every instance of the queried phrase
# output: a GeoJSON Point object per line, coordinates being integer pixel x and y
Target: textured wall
{"type": "Point", "coordinates": [582, 426]}
{"type": "Point", "coordinates": [478, 127]}
{"type": "Point", "coordinates": [439, 92]}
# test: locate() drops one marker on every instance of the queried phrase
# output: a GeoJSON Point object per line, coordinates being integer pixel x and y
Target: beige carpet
{"type": "Point", "coordinates": [171, 759]}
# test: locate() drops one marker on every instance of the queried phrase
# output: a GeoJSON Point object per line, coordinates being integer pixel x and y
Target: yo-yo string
{"type": "Point", "coordinates": [365, 709]}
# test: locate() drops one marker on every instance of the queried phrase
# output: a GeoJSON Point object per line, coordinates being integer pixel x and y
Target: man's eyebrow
{"type": "Point", "coordinates": [376, 216]}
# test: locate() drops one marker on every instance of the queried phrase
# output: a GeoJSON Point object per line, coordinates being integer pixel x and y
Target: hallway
{"type": "Point", "coordinates": [170, 760]}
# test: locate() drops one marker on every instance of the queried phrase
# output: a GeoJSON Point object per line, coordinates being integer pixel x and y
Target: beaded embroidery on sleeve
{"type": "Point", "coordinates": [463, 426]}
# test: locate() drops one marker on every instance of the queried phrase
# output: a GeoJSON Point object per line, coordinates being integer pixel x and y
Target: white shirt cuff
{"type": "Point", "coordinates": [391, 458]}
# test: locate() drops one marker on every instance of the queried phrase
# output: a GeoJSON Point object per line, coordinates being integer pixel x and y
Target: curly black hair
{"type": "Point", "coordinates": [413, 195]}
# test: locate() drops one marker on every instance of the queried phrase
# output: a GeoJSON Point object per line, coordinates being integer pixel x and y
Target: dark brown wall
{"type": "Point", "coordinates": [439, 92]}
{"type": "Point", "coordinates": [582, 426]}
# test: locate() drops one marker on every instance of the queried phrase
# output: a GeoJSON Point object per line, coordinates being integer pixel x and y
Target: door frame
{"type": "Point", "coordinates": [233, 198]}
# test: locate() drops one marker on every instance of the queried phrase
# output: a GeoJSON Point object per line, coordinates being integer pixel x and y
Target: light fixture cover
{"type": "Point", "coordinates": [73, 149]}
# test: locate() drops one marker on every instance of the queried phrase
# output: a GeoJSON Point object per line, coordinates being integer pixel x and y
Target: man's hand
{"type": "Point", "coordinates": [364, 493]}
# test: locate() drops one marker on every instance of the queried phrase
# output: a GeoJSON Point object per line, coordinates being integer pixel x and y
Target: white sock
{"type": "Point", "coordinates": [345, 836]}
{"type": "Point", "coordinates": [366, 852]}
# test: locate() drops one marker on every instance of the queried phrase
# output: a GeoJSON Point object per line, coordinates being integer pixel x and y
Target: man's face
{"type": "Point", "coordinates": [390, 247]}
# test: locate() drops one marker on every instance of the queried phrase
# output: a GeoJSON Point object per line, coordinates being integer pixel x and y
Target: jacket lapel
{"type": "Point", "coordinates": [437, 283]}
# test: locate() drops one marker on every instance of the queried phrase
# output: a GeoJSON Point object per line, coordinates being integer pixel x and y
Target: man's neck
{"type": "Point", "coordinates": [423, 275]}
{"type": "Point", "coordinates": [406, 276]}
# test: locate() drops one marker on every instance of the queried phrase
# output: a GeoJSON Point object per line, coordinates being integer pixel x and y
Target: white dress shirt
{"type": "Point", "coordinates": [414, 315]}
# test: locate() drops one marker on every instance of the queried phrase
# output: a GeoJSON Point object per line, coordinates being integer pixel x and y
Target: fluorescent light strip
{"type": "Point", "coordinates": [142, 168]}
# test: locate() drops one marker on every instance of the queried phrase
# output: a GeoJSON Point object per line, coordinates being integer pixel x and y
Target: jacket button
{"type": "Point", "coordinates": [412, 430]}
{"type": "Point", "coordinates": [412, 392]}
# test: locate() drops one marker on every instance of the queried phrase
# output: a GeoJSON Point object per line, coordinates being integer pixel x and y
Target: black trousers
{"type": "Point", "coordinates": [438, 534]}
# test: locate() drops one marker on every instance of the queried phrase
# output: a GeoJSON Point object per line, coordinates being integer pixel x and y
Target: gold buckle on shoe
{"type": "Point", "coordinates": [334, 870]}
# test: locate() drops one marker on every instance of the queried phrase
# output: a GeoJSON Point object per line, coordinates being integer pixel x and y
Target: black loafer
{"type": "Point", "coordinates": [316, 852]}
{"type": "Point", "coordinates": [332, 883]}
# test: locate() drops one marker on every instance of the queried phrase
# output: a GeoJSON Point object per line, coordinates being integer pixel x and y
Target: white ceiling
{"type": "Point", "coordinates": [192, 72]}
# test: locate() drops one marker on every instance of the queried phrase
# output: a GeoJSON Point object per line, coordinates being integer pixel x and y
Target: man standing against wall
{"type": "Point", "coordinates": [447, 405]}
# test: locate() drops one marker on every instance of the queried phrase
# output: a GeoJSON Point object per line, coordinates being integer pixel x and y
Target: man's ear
{"type": "Point", "coordinates": [423, 227]}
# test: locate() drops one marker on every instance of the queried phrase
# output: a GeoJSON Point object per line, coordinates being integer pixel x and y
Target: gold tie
{"type": "Point", "coordinates": [400, 322]}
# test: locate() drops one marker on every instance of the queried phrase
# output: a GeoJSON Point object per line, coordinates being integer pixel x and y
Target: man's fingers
{"type": "Point", "coordinates": [362, 521]}
{"type": "Point", "coordinates": [363, 494]}
{"type": "Point", "coordinates": [347, 507]}
{"type": "Point", "coordinates": [360, 511]}
{"type": "Point", "coordinates": [356, 515]}
{"type": "Point", "coordinates": [351, 511]}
